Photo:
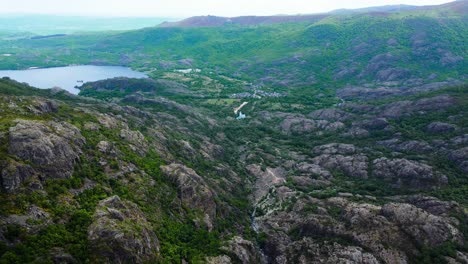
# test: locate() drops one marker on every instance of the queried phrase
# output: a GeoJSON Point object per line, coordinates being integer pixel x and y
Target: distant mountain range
{"type": "Point", "coordinates": [457, 7]}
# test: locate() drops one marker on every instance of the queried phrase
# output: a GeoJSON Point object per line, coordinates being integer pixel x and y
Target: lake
{"type": "Point", "coordinates": [69, 77]}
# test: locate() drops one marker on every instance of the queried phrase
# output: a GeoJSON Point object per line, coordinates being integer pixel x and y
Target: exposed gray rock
{"type": "Point", "coordinates": [345, 72]}
{"type": "Point", "coordinates": [303, 181]}
{"type": "Point", "coordinates": [192, 191]}
{"type": "Point", "coordinates": [356, 132]}
{"type": "Point", "coordinates": [223, 259]}
{"type": "Point", "coordinates": [406, 173]}
{"type": "Point", "coordinates": [379, 62]}
{"type": "Point", "coordinates": [264, 180]}
{"type": "Point", "coordinates": [440, 128]}
{"type": "Point", "coordinates": [335, 148]}
{"type": "Point", "coordinates": [309, 251]}
{"type": "Point", "coordinates": [33, 220]}
{"type": "Point", "coordinates": [244, 250]}
{"type": "Point", "coordinates": [432, 204]}
{"type": "Point", "coordinates": [312, 170]}
{"type": "Point", "coordinates": [375, 124]}
{"type": "Point", "coordinates": [300, 124]}
{"type": "Point", "coordinates": [14, 174]}
{"type": "Point", "coordinates": [448, 58]}
{"type": "Point", "coordinates": [392, 42]}
{"type": "Point", "coordinates": [366, 93]}
{"type": "Point", "coordinates": [460, 157]}
{"type": "Point", "coordinates": [42, 106]}
{"type": "Point", "coordinates": [407, 146]}
{"type": "Point", "coordinates": [393, 74]}
{"type": "Point", "coordinates": [460, 140]}
{"type": "Point", "coordinates": [52, 149]}
{"type": "Point", "coordinates": [60, 256]}
{"type": "Point", "coordinates": [330, 114]}
{"type": "Point", "coordinates": [405, 108]}
{"type": "Point", "coordinates": [426, 229]}
{"type": "Point", "coordinates": [108, 121]}
{"type": "Point", "coordinates": [91, 126]}
{"type": "Point", "coordinates": [104, 146]}
{"type": "Point", "coordinates": [354, 166]}
{"type": "Point", "coordinates": [120, 233]}
{"type": "Point", "coordinates": [336, 156]}
{"type": "Point", "coordinates": [137, 141]}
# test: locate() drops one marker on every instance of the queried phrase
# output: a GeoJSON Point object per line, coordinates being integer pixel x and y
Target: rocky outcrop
{"type": "Point", "coordinates": [120, 233]}
{"type": "Point", "coordinates": [50, 148]}
{"type": "Point", "coordinates": [14, 174]}
{"type": "Point", "coordinates": [405, 173]}
{"type": "Point", "coordinates": [265, 179]}
{"type": "Point", "coordinates": [33, 220]}
{"type": "Point", "coordinates": [392, 233]}
{"type": "Point", "coordinates": [335, 148]}
{"type": "Point", "coordinates": [307, 175]}
{"type": "Point", "coordinates": [136, 139]}
{"type": "Point", "coordinates": [342, 157]}
{"type": "Point", "coordinates": [460, 157]}
{"type": "Point", "coordinates": [413, 146]}
{"type": "Point", "coordinates": [244, 250]}
{"type": "Point", "coordinates": [300, 125]}
{"type": "Point", "coordinates": [192, 191]}
{"type": "Point", "coordinates": [426, 229]}
{"type": "Point", "coordinates": [40, 106]}
{"type": "Point", "coordinates": [432, 204]}
{"type": "Point", "coordinates": [309, 251]}
{"type": "Point", "coordinates": [406, 108]}
{"type": "Point", "coordinates": [375, 124]}
{"type": "Point", "coordinates": [440, 128]}
{"type": "Point", "coordinates": [223, 259]}
{"type": "Point", "coordinates": [330, 115]}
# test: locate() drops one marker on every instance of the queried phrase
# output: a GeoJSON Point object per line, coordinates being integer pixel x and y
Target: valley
{"type": "Point", "coordinates": [352, 146]}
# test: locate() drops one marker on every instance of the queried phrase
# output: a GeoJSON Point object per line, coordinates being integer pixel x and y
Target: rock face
{"type": "Point", "coordinates": [192, 191]}
{"type": "Point", "coordinates": [404, 108]}
{"type": "Point", "coordinates": [265, 179]}
{"type": "Point", "coordinates": [426, 229]}
{"type": "Point", "coordinates": [41, 106]}
{"type": "Point", "coordinates": [33, 220]}
{"type": "Point", "coordinates": [219, 260]}
{"type": "Point", "coordinates": [440, 128]}
{"type": "Point", "coordinates": [460, 157]}
{"type": "Point", "coordinates": [309, 251]}
{"type": "Point", "coordinates": [330, 115]}
{"type": "Point", "coordinates": [51, 148]}
{"type": "Point", "coordinates": [14, 174]}
{"type": "Point", "coordinates": [120, 233]}
{"type": "Point", "coordinates": [414, 146]}
{"type": "Point", "coordinates": [391, 233]}
{"type": "Point", "coordinates": [341, 157]}
{"type": "Point", "coordinates": [375, 124]}
{"type": "Point", "coordinates": [136, 139]}
{"type": "Point", "coordinates": [298, 124]}
{"type": "Point", "coordinates": [406, 173]}
{"type": "Point", "coordinates": [244, 250]}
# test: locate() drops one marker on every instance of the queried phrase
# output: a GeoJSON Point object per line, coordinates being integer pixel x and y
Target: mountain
{"type": "Point", "coordinates": [386, 9]}
{"type": "Point", "coordinates": [52, 24]}
{"type": "Point", "coordinates": [352, 145]}
{"type": "Point", "coordinates": [215, 21]}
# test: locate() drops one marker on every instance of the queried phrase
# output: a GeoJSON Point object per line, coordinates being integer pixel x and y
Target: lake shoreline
{"type": "Point", "coordinates": [69, 77]}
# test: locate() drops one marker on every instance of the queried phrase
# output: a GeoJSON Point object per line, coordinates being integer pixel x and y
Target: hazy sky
{"type": "Point", "coordinates": [184, 8]}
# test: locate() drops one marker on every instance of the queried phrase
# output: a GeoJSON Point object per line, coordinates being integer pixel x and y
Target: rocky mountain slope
{"type": "Point", "coordinates": [353, 147]}
{"type": "Point", "coordinates": [363, 182]}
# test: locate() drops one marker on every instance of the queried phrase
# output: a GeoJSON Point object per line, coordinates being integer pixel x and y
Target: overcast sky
{"type": "Point", "coordinates": [185, 8]}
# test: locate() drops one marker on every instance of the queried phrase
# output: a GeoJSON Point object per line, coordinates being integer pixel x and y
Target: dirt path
{"type": "Point", "coordinates": [240, 107]}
